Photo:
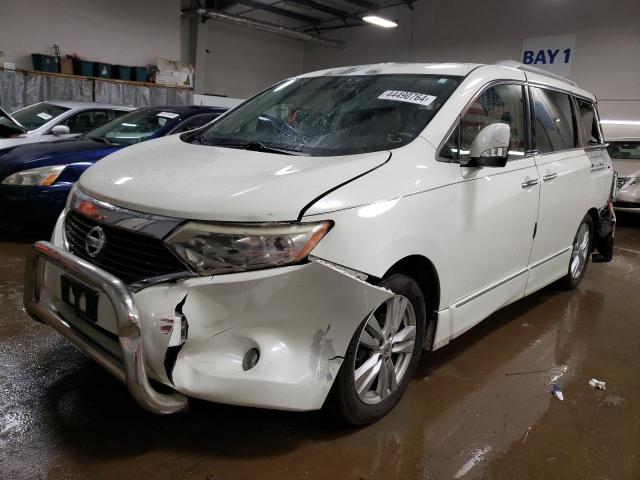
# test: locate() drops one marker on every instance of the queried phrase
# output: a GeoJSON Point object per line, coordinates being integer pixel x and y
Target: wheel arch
{"type": "Point", "coordinates": [424, 272]}
{"type": "Point", "coordinates": [595, 218]}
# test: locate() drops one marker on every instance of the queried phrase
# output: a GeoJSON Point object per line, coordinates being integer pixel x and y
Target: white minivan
{"type": "Point", "coordinates": [307, 246]}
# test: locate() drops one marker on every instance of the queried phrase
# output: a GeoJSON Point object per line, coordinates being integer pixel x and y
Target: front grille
{"type": "Point", "coordinates": [129, 255]}
{"type": "Point", "coordinates": [622, 181]}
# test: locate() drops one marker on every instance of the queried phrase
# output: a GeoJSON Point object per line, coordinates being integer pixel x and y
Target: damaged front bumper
{"type": "Point", "coordinates": [130, 367]}
{"type": "Point", "coordinates": [193, 334]}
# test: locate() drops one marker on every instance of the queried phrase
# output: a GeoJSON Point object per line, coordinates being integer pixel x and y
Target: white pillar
{"type": "Point", "coordinates": [202, 30]}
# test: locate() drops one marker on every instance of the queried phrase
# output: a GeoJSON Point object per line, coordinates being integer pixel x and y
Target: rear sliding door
{"type": "Point", "coordinates": [564, 194]}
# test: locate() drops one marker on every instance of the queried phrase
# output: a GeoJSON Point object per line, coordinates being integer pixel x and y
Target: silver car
{"type": "Point", "coordinates": [52, 120]}
{"type": "Point", "coordinates": [625, 154]}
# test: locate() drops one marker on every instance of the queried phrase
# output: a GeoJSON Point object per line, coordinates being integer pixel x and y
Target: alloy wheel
{"type": "Point", "coordinates": [580, 253]}
{"type": "Point", "coordinates": [384, 350]}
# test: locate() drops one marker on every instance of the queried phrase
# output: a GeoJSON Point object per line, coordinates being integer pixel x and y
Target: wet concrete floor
{"type": "Point", "coordinates": [478, 408]}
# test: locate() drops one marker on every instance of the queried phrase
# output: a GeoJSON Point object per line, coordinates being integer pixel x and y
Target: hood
{"type": "Point", "coordinates": [60, 152]}
{"type": "Point", "coordinates": [627, 168]}
{"type": "Point", "coordinates": [170, 177]}
{"type": "Point", "coordinates": [9, 127]}
{"type": "Point", "coordinates": [12, 142]}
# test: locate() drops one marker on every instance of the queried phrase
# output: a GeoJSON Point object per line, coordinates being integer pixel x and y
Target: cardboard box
{"type": "Point", "coordinates": [66, 66]}
{"type": "Point", "coordinates": [173, 73]}
{"type": "Point", "coordinates": [173, 78]}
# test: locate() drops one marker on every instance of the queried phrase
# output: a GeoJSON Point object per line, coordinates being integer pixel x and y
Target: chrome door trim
{"type": "Point", "coordinates": [550, 257]}
{"type": "Point", "coordinates": [479, 293]}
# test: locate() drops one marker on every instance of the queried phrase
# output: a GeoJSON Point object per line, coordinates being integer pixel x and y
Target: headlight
{"type": "Point", "coordinates": [222, 248]}
{"type": "Point", "coordinates": [43, 176]}
{"type": "Point", "coordinates": [633, 181]}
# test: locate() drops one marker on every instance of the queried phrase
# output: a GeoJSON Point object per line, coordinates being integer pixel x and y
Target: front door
{"type": "Point", "coordinates": [494, 212]}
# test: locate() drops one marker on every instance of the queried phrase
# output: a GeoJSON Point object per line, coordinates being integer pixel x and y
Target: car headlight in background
{"type": "Point", "coordinates": [43, 176]}
{"type": "Point", "coordinates": [223, 248]}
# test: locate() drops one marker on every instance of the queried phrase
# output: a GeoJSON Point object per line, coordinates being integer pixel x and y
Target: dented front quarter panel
{"type": "Point", "coordinates": [300, 318]}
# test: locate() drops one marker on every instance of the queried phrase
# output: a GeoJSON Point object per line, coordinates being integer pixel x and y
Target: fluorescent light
{"type": "Point", "coordinates": [379, 21]}
{"type": "Point", "coordinates": [619, 122]}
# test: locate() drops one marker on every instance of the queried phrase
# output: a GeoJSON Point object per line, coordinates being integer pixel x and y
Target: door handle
{"type": "Point", "coordinates": [530, 183]}
{"type": "Point", "coordinates": [550, 176]}
{"type": "Point", "coordinates": [595, 168]}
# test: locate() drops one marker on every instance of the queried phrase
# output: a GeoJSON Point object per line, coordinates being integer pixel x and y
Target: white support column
{"type": "Point", "coordinates": [202, 30]}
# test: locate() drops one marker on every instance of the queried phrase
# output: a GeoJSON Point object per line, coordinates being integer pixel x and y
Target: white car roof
{"type": "Point", "coordinates": [456, 69]}
{"type": "Point", "coordinates": [84, 105]}
{"type": "Point", "coordinates": [502, 69]}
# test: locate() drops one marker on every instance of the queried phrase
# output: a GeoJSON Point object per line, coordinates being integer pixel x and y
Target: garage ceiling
{"type": "Point", "coordinates": [303, 15]}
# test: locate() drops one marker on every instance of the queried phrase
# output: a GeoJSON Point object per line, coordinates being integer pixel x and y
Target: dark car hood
{"type": "Point", "coordinates": [60, 152]}
{"type": "Point", "coordinates": [10, 127]}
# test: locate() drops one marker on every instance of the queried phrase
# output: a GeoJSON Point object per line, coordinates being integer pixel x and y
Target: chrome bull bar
{"type": "Point", "coordinates": [131, 370]}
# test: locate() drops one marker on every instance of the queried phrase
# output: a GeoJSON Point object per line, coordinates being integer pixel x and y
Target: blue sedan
{"type": "Point", "coordinates": [36, 178]}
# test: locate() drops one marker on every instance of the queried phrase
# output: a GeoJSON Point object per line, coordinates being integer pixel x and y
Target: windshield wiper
{"type": "Point", "coordinates": [258, 147]}
{"type": "Point", "coordinates": [201, 140]}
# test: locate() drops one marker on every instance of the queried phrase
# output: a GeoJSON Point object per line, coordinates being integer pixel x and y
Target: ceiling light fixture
{"type": "Point", "coordinates": [380, 21]}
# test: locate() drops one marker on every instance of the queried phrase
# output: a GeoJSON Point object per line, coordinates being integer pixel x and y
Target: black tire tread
{"type": "Point", "coordinates": [343, 400]}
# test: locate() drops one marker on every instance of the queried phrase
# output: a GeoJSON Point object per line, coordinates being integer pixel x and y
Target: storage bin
{"type": "Point", "coordinates": [44, 63]}
{"type": "Point", "coordinates": [102, 70]}
{"type": "Point", "coordinates": [139, 74]}
{"type": "Point", "coordinates": [121, 72]}
{"type": "Point", "coordinates": [83, 67]}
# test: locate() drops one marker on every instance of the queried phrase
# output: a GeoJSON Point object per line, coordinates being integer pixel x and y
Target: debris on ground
{"type": "Point", "coordinates": [597, 384]}
{"type": "Point", "coordinates": [556, 392]}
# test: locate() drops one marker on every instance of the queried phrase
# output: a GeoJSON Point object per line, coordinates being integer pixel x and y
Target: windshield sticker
{"type": "Point", "coordinates": [410, 97]}
{"type": "Point", "coordinates": [44, 116]}
{"type": "Point", "coordinates": [167, 115]}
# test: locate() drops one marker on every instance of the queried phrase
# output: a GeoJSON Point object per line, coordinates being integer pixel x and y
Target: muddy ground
{"type": "Point", "coordinates": [473, 410]}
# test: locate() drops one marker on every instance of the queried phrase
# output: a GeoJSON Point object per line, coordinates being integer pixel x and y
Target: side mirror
{"type": "Point", "coordinates": [490, 148]}
{"type": "Point", "coordinates": [60, 130]}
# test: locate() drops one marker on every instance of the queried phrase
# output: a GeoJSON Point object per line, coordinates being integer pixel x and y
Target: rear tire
{"type": "Point", "coordinates": [580, 253]}
{"type": "Point", "coordinates": [381, 357]}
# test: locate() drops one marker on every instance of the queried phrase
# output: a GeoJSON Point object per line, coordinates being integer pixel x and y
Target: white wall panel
{"type": "Point", "coordinates": [607, 50]}
{"type": "Point", "coordinates": [115, 31]}
{"type": "Point", "coordinates": [242, 61]}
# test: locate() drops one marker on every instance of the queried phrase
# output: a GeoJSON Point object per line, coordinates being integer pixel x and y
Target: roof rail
{"type": "Point", "coordinates": [528, 68]}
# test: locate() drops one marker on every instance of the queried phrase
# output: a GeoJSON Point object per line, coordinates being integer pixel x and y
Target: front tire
{"type": "Point", "coordinates": [382, 355]}
{"type": "Point", "coordinates": [582, 247]}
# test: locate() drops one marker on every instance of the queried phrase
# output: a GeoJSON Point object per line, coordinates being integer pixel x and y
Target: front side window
{"type": "Point", "coordinates": [553, 126]}
{"type": "Point", "coordinates": [35, 116]}
{"type": "Point", "coordinates": [333, 115]}
{"type": "Point", "coordinates": [497, 104]}
{"type": "Point", "coordinates": [133, 127]}
{"type": "Point", "coordinates": [589, 122]}
{"type": "Point", "coordinates": [87, 120]}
